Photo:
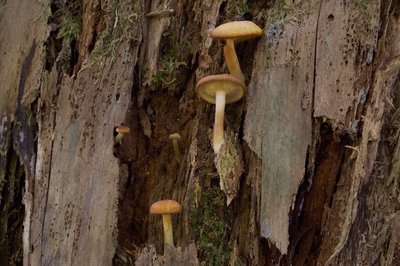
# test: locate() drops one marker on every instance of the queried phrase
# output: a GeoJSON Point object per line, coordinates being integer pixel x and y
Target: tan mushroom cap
{"type": "Point", "coordinates": [122, 129]}
{"type": "Point", "coordinates": [165, 207]}
{"type": "Point", "coordinates": [237, 30]}
{"type": "Point", "coordinates": [208, 86]}
{"type": "Point", "coordinates": [175, 136]}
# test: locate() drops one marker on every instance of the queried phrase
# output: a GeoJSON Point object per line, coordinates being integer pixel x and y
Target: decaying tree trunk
{"type": "Point", "coordinates": [311, 155]}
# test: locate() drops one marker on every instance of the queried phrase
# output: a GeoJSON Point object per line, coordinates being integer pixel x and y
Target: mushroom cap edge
{"type": "Point", "coordinates": [122, 129]}
{"type": "Point", "coordinates": [207, 87]}
{"type": "Point", "coordinates": [174, 136]}
{"type": "Point", "coordinates": [165, 207]}
{"type": "Point", "coordinates": [237, 30]}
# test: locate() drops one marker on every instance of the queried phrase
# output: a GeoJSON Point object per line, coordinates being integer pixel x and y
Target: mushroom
{"type": "Point", "coordinates": [121, 130]}
{"type": "Point", "coordinates": [234, 32]}
{"type": "Point", "coordinates": [166, 208]}
{"type": "Point", "coordinates": [175, 138]}
{"type": "Point", "coordinates": [218, 90]}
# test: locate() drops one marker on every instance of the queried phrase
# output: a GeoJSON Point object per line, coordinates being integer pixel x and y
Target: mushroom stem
{"type": "Point", "coordinates": [231, 59]}
{"type": "Point", "coordinates": [176, 150]}
{"type": "Point", "coordinates": [118, 138]}
{"type": "Point", "coordinates": [218, 138]}
{"type": "Point", "coordinates": [168, 233]}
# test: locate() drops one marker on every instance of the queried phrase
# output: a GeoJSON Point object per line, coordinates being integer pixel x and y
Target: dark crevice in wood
{"type": "Point", "coordinates": [25, 118]}
{"type": "Point", "coordinates": [132, 217]}
{"type": "Point", "coordinates": [53, 47]}
{"type": "Point", "coordinates": [99, 24]}
{"type": "Point", "coordinates": [93, 42]}
{"type": "Point", "coordinates": [166, 107]}
{"type": "Point", "coordinates": [246, 212]}
{"type": "Point", "coordinates": [294, 232]}
{"type": "Point", "coordinates": [152, 169]}
{"type": "Point", "coordinates": [62, 43]}
{"type": "Point", "coordinates": [12, 209]}
{"type": "Point", "coordinates": [312, 202]}
{"type": "Point", "coordinates": [74, 55]}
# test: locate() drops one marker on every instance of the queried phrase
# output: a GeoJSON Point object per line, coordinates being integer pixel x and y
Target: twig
{"type": "Point", "coordinates": [161, 13]}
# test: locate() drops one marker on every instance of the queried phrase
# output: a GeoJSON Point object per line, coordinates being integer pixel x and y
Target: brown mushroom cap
{"type": "Point", "coordinates": [175, 136]}
{"type": "Point", "coordinates": [165, 207]}
{"type": "Point", "coordinates": [122, 129]}
{"type": "Point", "coordinates": [237, 30]}
{"type": "Point", "coordinates": [208, 86]}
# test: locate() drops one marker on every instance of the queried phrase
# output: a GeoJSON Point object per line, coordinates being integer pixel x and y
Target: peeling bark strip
{"type": "Point", "coordinates": [278, 119]}
{"type": "Point", "coordinates": [311, 73]}
{"type": "Point", "coordinates": [229, 164]}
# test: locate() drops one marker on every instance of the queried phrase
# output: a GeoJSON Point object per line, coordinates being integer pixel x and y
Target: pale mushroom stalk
{"type": "Point", "coordinates": [218, 139]}
{"type": "Point", "coordinates": [235, 32]}
{"type": "Point", "coordinates": [232, 60]}
{"type": "Point", "coordinates": [175, 139]}
{"type": "Point", "coordinates": [176, 151]}
{"type": "Point", "coordinates": [119, 137]}
{"type": "Point", "coordinates": [168, 231]}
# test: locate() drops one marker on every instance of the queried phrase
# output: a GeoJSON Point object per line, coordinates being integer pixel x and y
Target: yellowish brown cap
{"type": "Point", "coordinates": [122, 129]}
{"type": "Point", "coordinates": [165, 207]}
{"type": "Point", "coordinates": [237, 30]}
{"type": "Point", "coordinates": [208, 86]}
{"type": "Point", "coordinates": [175, 136]}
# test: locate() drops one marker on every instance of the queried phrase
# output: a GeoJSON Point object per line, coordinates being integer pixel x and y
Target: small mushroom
{"type": "Point", "coordinates": [175, 138]}
{"type": "Point", "coordinates": [220, 90]}
{"type": "Point", "coordinates": [234, 32]}
{"type": "Point", "coordinates": [121, 130]}
{"type": "Point", "coordinates": [166, 208]}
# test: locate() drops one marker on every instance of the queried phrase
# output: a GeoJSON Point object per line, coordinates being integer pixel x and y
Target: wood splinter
{"type": "Point", "coordinates": [161, 13]}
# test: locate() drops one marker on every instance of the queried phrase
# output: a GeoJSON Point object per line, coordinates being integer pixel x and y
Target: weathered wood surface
{"type": "Point", "coordinates": [312, 76]}
{"type": "Point", "coordinates": [172, 256]}
{"type": "Point", "coordinates": [77, 176]}
{"type": "Point", "coordinates": [316, 110]}
{"type": "Point", "coordinates": [82, 188]}
{"type": "Point", "coordinates": [372, 164]}
{"type": "Point", "coordinates": [344, 72]}
{"type": "Point", "coordinates": [22, 35]}
{"type": "Point", "coordinates": [278, 121]}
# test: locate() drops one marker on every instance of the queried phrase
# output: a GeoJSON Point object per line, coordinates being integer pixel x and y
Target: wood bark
{"type": "Point", "coordinates": [310, 167]}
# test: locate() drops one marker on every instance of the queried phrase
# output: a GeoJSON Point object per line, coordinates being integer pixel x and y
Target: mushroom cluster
{"type": "Point", "coordinates": [226, 88]}
{"type": "Point", "coordinates": [215, 89]}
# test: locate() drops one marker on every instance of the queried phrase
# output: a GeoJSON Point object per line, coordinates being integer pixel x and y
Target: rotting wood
{"type": "Point", "coordinates": [229, 164]}
{"type": "Point", "coordinates": [155, 30]}
{"type": "Point", "coordinates": [90, 24]}
{"type": "Point", "coordinates": [172, 256]}
{"type": "Point", "coordinates": [337, 54]}
{"type": "Point", "coordinates": [22, 53]}
{"type": "Point", "coordinates": [46, 120]}
{"type": "Point", "coordinates": [278, 120]}
{"type": "Point", "coordinates": [379, 203]}
{"type": "Point", "coordinates": [343, 115]}
{"type": "Point", "coordinates": [145, 166]}
{"type": "Point", "coordinates": [78, 176]}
